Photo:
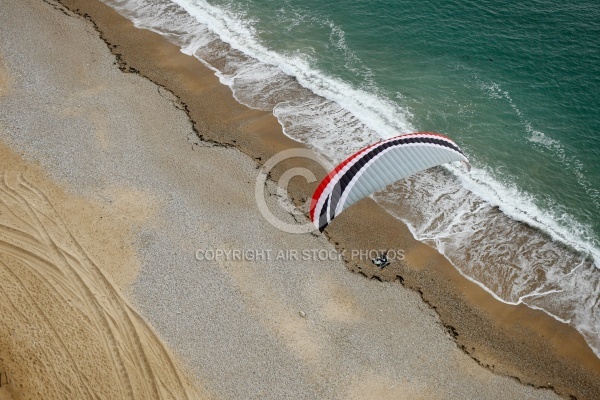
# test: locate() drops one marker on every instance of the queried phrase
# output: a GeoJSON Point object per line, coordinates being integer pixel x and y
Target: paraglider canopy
{"type": "Point", "coordinates": [377, 166]}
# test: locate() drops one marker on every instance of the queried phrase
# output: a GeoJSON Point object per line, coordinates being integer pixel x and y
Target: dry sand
{"type": "Point", "coordinates": [113, 193]}
{"type": "Point", "coordinates": [66, 330]}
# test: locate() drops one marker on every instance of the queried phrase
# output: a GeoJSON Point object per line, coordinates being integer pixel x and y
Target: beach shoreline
{"type": "Point", "coordinates": [545, 339]}
{"type": "Point", "coordinates": [515, 341]}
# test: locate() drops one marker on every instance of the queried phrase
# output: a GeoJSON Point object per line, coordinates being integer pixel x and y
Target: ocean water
{"type": "Point", "coordinates": [516, 85]}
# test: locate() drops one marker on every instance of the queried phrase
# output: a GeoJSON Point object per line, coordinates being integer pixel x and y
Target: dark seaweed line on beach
{"type": "Point", "coordinates": [122, 65]}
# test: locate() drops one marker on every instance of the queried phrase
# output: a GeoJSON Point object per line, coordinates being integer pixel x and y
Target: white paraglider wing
{"type": "Point", "coordinates": [377, 166]}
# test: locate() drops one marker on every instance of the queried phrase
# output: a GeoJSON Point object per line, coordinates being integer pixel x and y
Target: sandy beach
{"type": "Point", "coordinates": [125, 163]}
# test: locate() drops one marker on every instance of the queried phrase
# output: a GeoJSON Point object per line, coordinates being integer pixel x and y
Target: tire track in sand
{"type": "Point", "coordinates": [65, 328]}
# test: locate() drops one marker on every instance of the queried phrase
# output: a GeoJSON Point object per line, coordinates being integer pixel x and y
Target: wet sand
{"type": "Point", "coordinates": [249, 329]}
